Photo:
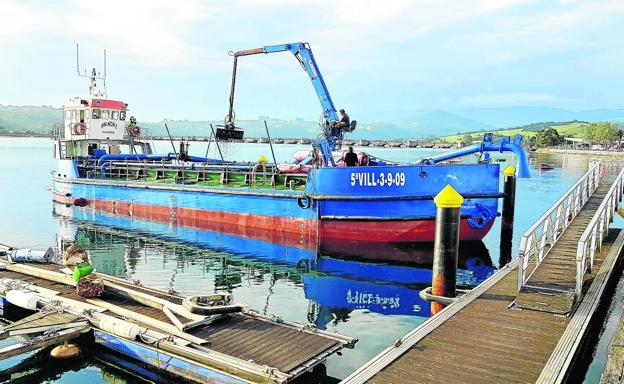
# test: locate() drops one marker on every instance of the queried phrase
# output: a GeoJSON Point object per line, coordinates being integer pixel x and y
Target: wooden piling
{"type": "Point", "coordinates": [446, 245]}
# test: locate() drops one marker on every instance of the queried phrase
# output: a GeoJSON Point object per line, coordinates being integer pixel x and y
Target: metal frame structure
{"type": "Point", "coordinates": [592, 238]}
{"type": "Point", "coordinates": [538, 240]}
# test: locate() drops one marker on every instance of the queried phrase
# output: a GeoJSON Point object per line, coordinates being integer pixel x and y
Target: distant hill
{"type": "Point", "coordinates": [37, 119]}
{"type": "Point", "coordinates": [565, 129]}
{"type": "Point", "coordinates": [371, 125]}
{"type": "Point", "coordinates": [416, 124]}
{"type": "Point", "coordinates": [516, 116]}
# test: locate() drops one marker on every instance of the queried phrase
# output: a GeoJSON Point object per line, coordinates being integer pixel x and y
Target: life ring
{"type": "Point", "coordinates": [134, 130]}
{"type": "Point", "coordinates": [80, 129]}
{"type": "Point", "coordinates": [304, 202]}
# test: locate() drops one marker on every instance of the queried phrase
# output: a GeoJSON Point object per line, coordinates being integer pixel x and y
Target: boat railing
{"type": "Point", "coordinates": [539, 239]}
{"type": "Point", "coordinates": [250, 174]}
{"type": "Point", "coordinates": [594, 234]}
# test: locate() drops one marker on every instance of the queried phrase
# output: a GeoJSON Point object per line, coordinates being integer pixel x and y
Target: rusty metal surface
{"type": "Point", "coordinates": [264, 342]}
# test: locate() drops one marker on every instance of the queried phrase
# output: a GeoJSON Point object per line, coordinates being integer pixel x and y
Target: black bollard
{"type": "Point", "coordinates": [507, 220]}
{"type": "Point", "coordinates": [446, 246]}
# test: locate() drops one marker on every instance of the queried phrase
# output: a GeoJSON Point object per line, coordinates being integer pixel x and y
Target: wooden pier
{"type": "Point", "coordinates": [156, 328]}
{"type": "Point", "coordinates": [528, 321]}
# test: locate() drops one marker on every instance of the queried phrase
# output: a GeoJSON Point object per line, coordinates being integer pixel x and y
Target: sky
{"type": "Point", "coordinates": [169, 59]}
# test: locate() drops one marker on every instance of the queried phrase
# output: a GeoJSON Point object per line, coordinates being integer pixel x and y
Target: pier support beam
{"type": "Point", "coordinates": [446, 246]}
{"type": "Point", "coordinates": [507, 220]}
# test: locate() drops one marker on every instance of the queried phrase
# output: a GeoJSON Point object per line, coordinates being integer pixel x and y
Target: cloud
{"type": "Point", "coordinates": [407, 54]}
{"type": "Point", "coordinates": [157, 33]}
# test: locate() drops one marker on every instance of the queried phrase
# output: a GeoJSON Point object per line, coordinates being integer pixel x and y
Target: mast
{"type": "Point", "coordinates": [93, 77]}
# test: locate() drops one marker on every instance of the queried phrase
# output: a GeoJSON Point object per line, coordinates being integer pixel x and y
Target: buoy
{"type": "Point", "coordinates": [263, 159]}
{"type": "Point", "coordinates": [65, 351]}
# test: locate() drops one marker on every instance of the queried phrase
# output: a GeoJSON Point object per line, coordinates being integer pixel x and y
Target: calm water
{"type": "Point", "coordinates": [272, 279]}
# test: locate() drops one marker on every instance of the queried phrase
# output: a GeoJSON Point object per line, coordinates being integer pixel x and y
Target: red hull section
{"type": "Point", "coordinates": [292, 232]}
{"type": "Point", "coordinates": [396, 231]}
{"type": "Point", "coordinates": [334, 235]}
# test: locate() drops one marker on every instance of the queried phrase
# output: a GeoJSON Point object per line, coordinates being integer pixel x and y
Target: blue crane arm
{"type": "Point", "coordinates": [304, 56]}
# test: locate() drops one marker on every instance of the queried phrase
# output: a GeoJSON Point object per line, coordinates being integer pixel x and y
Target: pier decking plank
{"type": "Point", "coordinates": [486, 342]}
{"type": "Point", "coordinates": [263, 342]}
{"type": "Point", "coordinates": [469, 344]}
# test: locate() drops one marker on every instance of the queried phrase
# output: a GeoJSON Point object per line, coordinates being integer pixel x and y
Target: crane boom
{"type": "Point", "coordinates": [304, 56]}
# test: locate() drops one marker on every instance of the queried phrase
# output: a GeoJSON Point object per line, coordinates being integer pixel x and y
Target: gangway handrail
{"type": "Point", "coordinates": [543, 234]}
{"type": "Point", "coordinates": [596, 231]}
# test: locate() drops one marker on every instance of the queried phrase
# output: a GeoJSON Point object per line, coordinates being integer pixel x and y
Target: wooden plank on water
{"type": "Point", "coordinates": [149, 321]}
{"type": "Point", "coordinates": [43, 321]}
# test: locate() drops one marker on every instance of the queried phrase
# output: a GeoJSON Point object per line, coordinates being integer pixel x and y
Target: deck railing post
{"type": "Point", "coordinates": [446, 245]}
{"type": "Point", "coordinates": [520, 270]}
{"type": "Point", "coordinates": [579, 277]}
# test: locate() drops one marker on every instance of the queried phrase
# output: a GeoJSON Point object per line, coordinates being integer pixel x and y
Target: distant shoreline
{"type": "Point", "coordinates": [23, 134]}
{"type": "Point", "coordinates": [584, 152]}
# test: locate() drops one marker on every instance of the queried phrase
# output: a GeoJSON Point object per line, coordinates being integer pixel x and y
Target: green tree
{"type": "Point", "coordinates": [604, 133]}
{"type": "Point", "coordinates": [546, 138]}
{"type": "Point", "coordinates": [467, 139]}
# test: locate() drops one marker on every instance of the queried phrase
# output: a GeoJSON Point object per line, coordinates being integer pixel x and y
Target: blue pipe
{"type": "Point", "coordinates": [170, 156]}
{"type": "Point", "coordinates": [522, 165]}
{"type": "Point", "coordinates": [126, 156]}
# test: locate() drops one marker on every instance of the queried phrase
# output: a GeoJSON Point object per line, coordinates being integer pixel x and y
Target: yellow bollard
{"type": "Point", "coordinates": [446, 246]}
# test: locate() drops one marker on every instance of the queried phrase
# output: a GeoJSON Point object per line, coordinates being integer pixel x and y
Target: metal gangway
{"type": "Point", "coordinates": [558, 250]}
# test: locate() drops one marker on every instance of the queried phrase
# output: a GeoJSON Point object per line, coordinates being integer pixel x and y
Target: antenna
{"type": "Point", "coordinates": [77, 62]}
{"type": "Point", "coordinates": [104, 78]}
{"type": "Point", "coordinates": [93, 76]}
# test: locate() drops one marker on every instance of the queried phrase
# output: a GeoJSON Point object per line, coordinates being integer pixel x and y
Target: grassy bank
{"type": "Point", "coordinates": [576, 129]}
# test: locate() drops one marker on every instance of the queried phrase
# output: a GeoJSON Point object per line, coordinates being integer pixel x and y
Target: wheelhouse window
{"type": "Point", "coordinates": [73, 114]}
{"type": "Point", "coordinates": [82, 115]}
{"type": "Point", "coordinates": [114, 115]}
{"type": "Point", "coordinates": [97, 113]}
{"type": "Point", "coordinates": [122, 115]}
{"type": "Point", "coordinates": [68, 114]}
{"type": "Point", "coordinates": [105, 114]}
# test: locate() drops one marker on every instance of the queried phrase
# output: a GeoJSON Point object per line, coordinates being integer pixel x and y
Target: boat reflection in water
{"type": "Point", "coordinates": [339, 286]}
{"type": "Point", "coordinates": [334, 284]}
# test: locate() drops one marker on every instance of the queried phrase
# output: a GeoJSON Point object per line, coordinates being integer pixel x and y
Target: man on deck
{"type": "Point", "coordinates": [351, 159]}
